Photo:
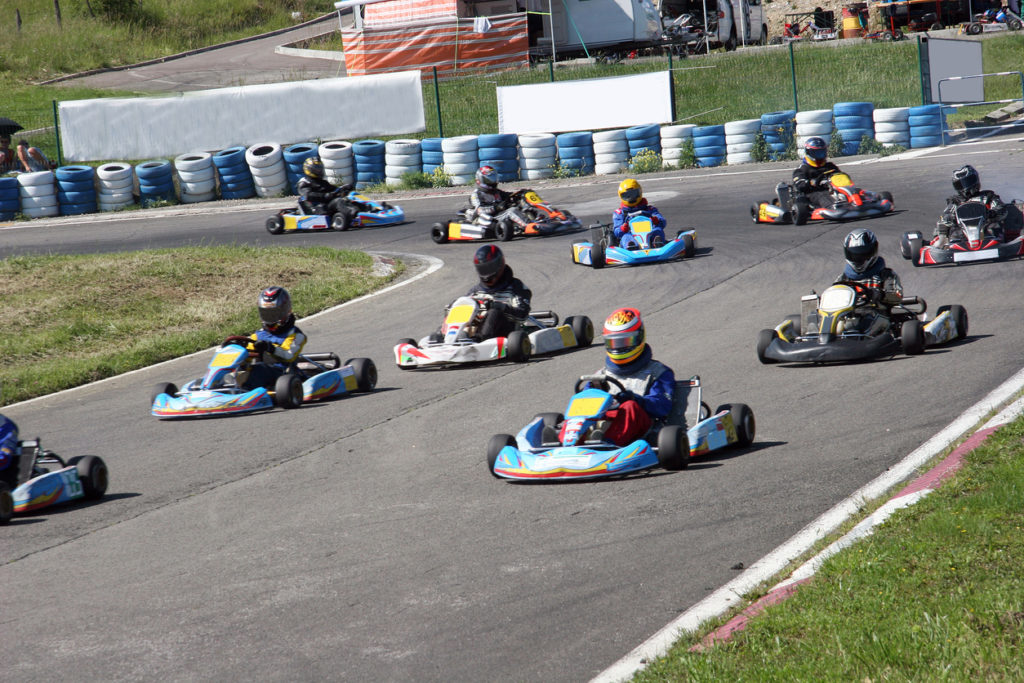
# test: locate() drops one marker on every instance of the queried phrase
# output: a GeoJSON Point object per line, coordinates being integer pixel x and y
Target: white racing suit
{"type": "Point", "coordinates": [489, 206]}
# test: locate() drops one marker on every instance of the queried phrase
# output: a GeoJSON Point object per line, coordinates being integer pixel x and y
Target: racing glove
{"type": "Point", "coordinates": [261, 346]}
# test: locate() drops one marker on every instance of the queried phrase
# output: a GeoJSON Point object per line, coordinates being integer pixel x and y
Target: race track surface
{"type": "Point", "coordinates": [364, 539]}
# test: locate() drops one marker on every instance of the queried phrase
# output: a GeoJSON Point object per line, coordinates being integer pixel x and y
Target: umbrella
{"type": "Point", "coordinates": [8, 127]}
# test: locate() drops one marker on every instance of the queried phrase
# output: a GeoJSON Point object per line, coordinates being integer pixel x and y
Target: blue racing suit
{"type": "Point", "coordinates": [282, 350]}
{"type": "Point", "coordinates": [620, 224]}
{"type": "Point", "coordinates": [8, 443]}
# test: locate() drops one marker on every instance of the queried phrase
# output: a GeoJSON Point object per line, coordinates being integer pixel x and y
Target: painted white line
{"type": "Point", "coordinates": [731, 594]}
{"type": "Point", "coordinates": [433, 265]}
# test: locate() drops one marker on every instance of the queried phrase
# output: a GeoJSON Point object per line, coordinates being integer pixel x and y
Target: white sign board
{"type": "Point", "coordinates": [592, 104]}
{"type": "Point", "coordinates": [949, 58]}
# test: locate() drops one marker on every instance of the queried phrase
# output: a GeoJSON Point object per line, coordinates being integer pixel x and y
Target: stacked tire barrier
{"type": "Point", "coordinates": [339, 165]}
{"type": "Point", "coordinates": [38, 194]}
{"type": "Point", "coordinates": [116, 184]}
{"type": "Point", "coordinates": [892, 126]}
{"type": "Point", "coordinates": [853, 120]}
{"type": "Point", "coordinates": [672, 140]}
{"type": "Point", "coordinates": [643, 138]}
{"type": "Point", "coordinates": [197, 180]}
{"type": "Point", "coordinates": [611, 151]}
{"type": "Point", "coordinates": [461, 158]}
{"type": "Point", "coordinates": [76, 190]}
{"type": "Point", "coordinates": [709, 145]}
{"type": "Point", "coordinates": [576, 152]}
{"type": "Point", "coordinates": [10, 198]}
{"type": "Point", "coordinates": [926, 124]}
{"type": "Point", "coordinates": [537, 156]}
{"type": "Point", "coordinates": [295, 155]}
{"type": "Point", "coordinates": [233, 175]}
{"type": "Point", "coordinates": [266, 164]}
{"type": "Point", "coordinates": [501, 151]}
{"type": "Point", "coordinates": [811, 124]}
{"type": "Point", "coordinates": [777, 127]}
{"type": "Point", "coordinates": [401, 157]}
{"type": "Point", "coordinates": [156, 182]}
{"type": "Point", "coordinates": [739, 140]}
{"type": "Point", "coordinates": [432, 154]}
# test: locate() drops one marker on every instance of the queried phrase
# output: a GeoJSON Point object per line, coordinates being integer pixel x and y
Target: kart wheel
{"type": "Point", "coordinates": [519, 347]}
{"type": "Point", "coordinates": [505, 230]}
{"type": "Point", "coordinates": [341, 221]}
{"type": "Point", "coordinates": [974, 29]}
{"type": "Point", "coordinates": [764, 339]}
{"type": "Point", "coordinates": [6, 504]}
{"type": "Point", "coordinates": [494, 446]}
{"type": "Point", "coordinates": [886, 195]}
{"type": "Point", "coordinates": [1014, 24]}
{"type": "Point", "coordinates": [583, 328]}
{"type": "Point", "coordinates": [288, 391]}
{"type": "Point", "coordinates": [915, 245]}
{"type": "Point", "coordinates": [275, 225]}
{"type": "Point", "coordinates": [163, 388]}
{"type": "Point", "coordinates": [673, 448]}
{"type": "Point", "coordinates": [912, 337]}
{"type": "Point", "coordinates": [689, 247]}
{"type": "Point", "coordinates": [905, 247]}
{"type": "Point", "coordinates": [439, 233]}
{"type": "Point", "coordinates": [755, 211]}
{"type": "Point", "coordinates": [92, 472]}
{"type": "Point", "coordinates": [959, 315]}
{"type": "Point", "coordinates": [801, 210]}
{"type": "Point", "coordinates": [597, 255]}
{"type": "Point", "coordinates": [366, 373]}
{"type": "Point", "coordinates": [743, 420]}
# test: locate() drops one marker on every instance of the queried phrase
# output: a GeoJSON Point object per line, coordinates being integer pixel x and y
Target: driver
{"type": "Point", "coordinates": [488, 202]}
{"type": "Point", "coordinates": [8, 451]}
{"type": "Point", "coordinates": [811, 177]}
{"type": "Point", "coordinates": [878, 286]}
{"type": "Point", "coordinates": [318, 196]}
{"type": "Point", "coordinates": [634, 203]}
{"type": "Point", "coordinates": [278, 342]}
{"type": "Point", "coordinates": [967, 184]}
{"type": "Point", "coordinates": [649, 385]}
{"type": "Point", "coordinates": [512, 298]}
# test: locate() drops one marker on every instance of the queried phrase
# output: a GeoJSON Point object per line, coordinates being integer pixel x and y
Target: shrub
{"type": "Point", "coordinates": [647, 161]}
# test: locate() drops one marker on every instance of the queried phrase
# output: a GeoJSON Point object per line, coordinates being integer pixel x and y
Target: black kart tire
{"type": "Point", "coordinates": [1014, 24]}
{"type": "Point", "coordinates": [673, 448]}
{"type": "Point", "coordinates": [275, 225]}
{"type": "Point", "coordinates": [519, 346]}
{"type": "Point", "coordinates": [597, 255]}
{"type": "Point", "coordinates": [582, 328]}
{"type": "Point", "coordinates": [905, 251]}
{"type": "Point", "coordinates": [801, 210]}
{"type": "Point", "coordinates": [494, 446]}
{"type": "Point", "coordinates": [341, 221]}
{"type": "Point", "coordinates": [743, 420]}
{"type": "Point", "coordinates": [912, 337]}
{"type": "Point", "coordinates": [915, 245]}
{"type": "Point", "coordinates": [764, 339]}
{"type": "Point", "coordinates": [689, 247]}
{"type": "Point", "coordinates": [366, 373]}
{"type": "Point", "coordinates": [439, 233]}
{"type": "Point", "coordinates": [886, 195]}
{"type": "Point", "coordinates": [288, 391]}
{"type": "Point", "coordinates": [974, 29]}
{"type": "Point", "coordinates": [959, 315]}
{"type": "Point", "coordinates": [92, 472]}
{"type": "Point", "coordinates": [163, 388]}
{"type": "Point", "coordinates": [505, 230]}
{"type": "Point", "coordinates": [6, 504]}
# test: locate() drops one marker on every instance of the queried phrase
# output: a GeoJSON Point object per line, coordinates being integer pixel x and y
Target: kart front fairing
{"type": "Point", "coordinates": [373, 213]}
{"type": "Point", "coordinates": [641, 229]}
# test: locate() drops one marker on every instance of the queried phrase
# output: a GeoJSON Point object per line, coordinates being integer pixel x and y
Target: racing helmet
{"type": "Point", "coordinates": [275, 307]}
{"type": "Point", "coordinates": [487, 177]}
{"type": "Point", "coordinates": [630, 192]}
{"type": "Point", "coordinates": [966, 181]}
{"type": "Point", "coordinates": [861, 249]}
{"type": "Point", "coordinates": [313, 168]}
{"type": "Point", "coordinates": [624, 336]}
{"type": "Point", "coordinates": [489, 263]}
{"type": "Point", "coordinates": [815, 151]}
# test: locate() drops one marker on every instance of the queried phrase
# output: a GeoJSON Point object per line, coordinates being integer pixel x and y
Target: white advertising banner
{"type": "Point", "coordinates": [592, 104]}
{"type": "Point", "coordinates": [212, 120]}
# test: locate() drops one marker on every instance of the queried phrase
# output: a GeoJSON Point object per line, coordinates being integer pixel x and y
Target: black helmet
{"type": "Point", "coordinates": [861, 249]}
{"type": "Point", "coordinates": [815, 151]}
{"type": "Point", "coordinates": [487, 177]}
{"type": "Point", "coordinates": [275, 306]}
{"type": "Point", "coordinates": [313, 167]}
{"type": "Point", "coordinates": [490, 263]}
{"type": "Point", "coordinates": [966, 181]}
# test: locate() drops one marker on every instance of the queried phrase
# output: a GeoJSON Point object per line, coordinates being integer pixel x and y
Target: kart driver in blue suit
{"type": "Point", "coordinates": [878, 286]}
{"type": "Point", "coordinates": [8, 449]}
{"type": "Point", "coordinates": [633, 203]}
{"type": "Point", "coordinates": [278, 342]}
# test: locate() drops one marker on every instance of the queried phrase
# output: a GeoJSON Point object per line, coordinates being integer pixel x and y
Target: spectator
{"type": "Point", "coordinates": [8, 159]}
{"type": "Point", "coordinates": [32, 158]}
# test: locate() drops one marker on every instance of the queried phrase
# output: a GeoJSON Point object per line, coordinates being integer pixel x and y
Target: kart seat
{"type": "Point", "coordinates": [305, 206]}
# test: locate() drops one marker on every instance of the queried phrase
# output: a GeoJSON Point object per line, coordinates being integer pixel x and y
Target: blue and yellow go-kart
{"type": "Point", "coordinates": [599, 252]}
{"type": "Point", "coordinates": [554, 446]}
{"type": "Point", "coordinates": [35, 478]}
{"type": "Point", "coordinates": [223, 391]}
{"type": "Point", "coordinates": [367, 213]}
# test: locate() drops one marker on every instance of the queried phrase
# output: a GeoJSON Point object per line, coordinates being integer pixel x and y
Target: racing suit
{"type": "Point", "coordinates": [812, 182]}
{"type": "Point", "coordinates": [511, 308]}
{"type": "Point", "coordinates": [651, 386]}
{"type": "Point", "coordinates": [621, 235]}
{"type": "Point", "coordinates": [317, 196]}
{"type": "Point", "coordinates": [997, 214]}
{"type": "Point", "coordinates": [487, 205]}
{"type": "Point", "coordinates": [8, 452]}
{"type": "Point", "coordinates": [278, 352]}
{"type": "Point", "coordinates": [878, 290]}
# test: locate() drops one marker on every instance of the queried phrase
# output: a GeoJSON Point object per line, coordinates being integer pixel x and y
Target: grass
{"type": "Point", "coordinates": [84, 318]}
{"type": "Point", "coordinates": [934, 594]}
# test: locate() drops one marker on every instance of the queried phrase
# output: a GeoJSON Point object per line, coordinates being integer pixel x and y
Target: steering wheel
{"type": "Point", "coordinates": [237, 339]}
{"type": "Point", "coordinates": [607, 379]}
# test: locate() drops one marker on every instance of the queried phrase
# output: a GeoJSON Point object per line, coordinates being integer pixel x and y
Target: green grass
{"type": "Point", "coordinates": [83, 318]}
{"type": "Point", "coordinates": [935, 594]}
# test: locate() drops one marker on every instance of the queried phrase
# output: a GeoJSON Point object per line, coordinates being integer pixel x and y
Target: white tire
{"type": "Point", "coordinates": [812, 129]}
{"type": "Point", "coordinates": [616, 158]}
{"type": "Point", "coordinates": [461, 169]}
{"type": "Point", "coordinates": [463, 179]}
{"type": "Point", "coordinates": [894, 138]}
{"type": "Point", "coordinates": [892, 127]}
{"type": "Point", "coordinates": [115, 197]}
{"type": "Point", "coordinates": [196, 176]}
{"type": "Point", "coordinates": [271, 190]}
{"type": "Point", "coordinates": [279, 177]}
{"type": "Point", "coordinates": [461, 158]}
{"type": "Point", "coordinates": [335, 150]}
{"type": "Point", "coordinates": [536, 173]}
{"type": "Point", "coordinates": [36, 191]}
{"type": "Point", "coordinates": [193, 198]}
{"type": "Point", "coordinates": [738, 158]}
{"type": "Point", "coordinates": [114, 186]}
{"type": "Point", "coordinates": [534, 140]}
{"type": "Point", "coordinates": [112, 206]}
{"type": "Point", "coordinates": [536, 152]}
{"type": "Point", "coordinates": [609, 135]}
{"type": "Point", "coordinates": [814, 116]}
{"type": "Point", "coordinates": [339, 179]}
{"type": "Point", "coordinates": [403, 160]}
{"type": "Point", "coordinates": [739, 147]}
{"type": "Point", "coordinates": [389, 180]}
{"type": "Point", "coordinates": [610, 168]}
{"type": "Point", "coordinates": [39, 202]}
{"type": "Point", "coordinates": [739, 139]}
{"type": "Point", "coordinates": [891, 114]}
{"type": "Point", "coordinates": [399, 171]}
{"type": "Point", "coordinates": [743, 127]}
{"type": "Point", "coordinates": [196, 161]}
{"type": "Point", "coordinates": [262, 154]}
{"type": "Point", "coordinates": [680, 132]}
{"type": "Point", "coordinates": [402, 147]}
{"type": "Point", "coordinates": [461, 143]}
{"type": "Point", "coordinates": [606, 147]}
{"type": "Point", "coordinates": [114, 171]}
{"type": "Point", "coordinates": [201, 187]}
{"type": "Point", "coordinates": [41, 212]}
{"type": "Point", "coordinates": [536, 163]}
{"type": "Point", "coordinates": [37, 178]}
{"type": "Point", "coordinates": [336, 164]}
{"type": "Point", "coordinates": [672, 154]}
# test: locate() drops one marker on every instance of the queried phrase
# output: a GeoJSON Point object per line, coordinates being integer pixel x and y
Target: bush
{"type": "Point", "coordinates": [647, 161]}
{"type": "Point", "coordinates": [687, 155]}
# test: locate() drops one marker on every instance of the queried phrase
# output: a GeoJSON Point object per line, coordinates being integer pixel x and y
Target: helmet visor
{"type": "Point", "coordinates": [271, 315]}
{"type": "Point", "coordinates": [630, 195]}
{"type": "Point", "coordinates": [623, 341]}
{"type": "Point", "coordinates": [816, 153]}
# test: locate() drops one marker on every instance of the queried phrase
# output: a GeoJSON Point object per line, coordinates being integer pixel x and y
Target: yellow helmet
{"type": "Point", "coordinates": [630, 192]}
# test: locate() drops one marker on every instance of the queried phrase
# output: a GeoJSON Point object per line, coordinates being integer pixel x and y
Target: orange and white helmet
{"type": "Point", "coordinates": [624, 338]}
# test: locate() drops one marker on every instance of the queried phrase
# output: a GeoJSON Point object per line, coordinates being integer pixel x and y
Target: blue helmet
{"type": "Point", "coordinates": [815, 151]}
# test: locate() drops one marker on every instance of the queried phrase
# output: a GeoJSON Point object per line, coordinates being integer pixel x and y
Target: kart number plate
{"type": "Point", "coordinates": [71, 483]}
{"type": "Point", "coordinates": [585, 407]}
{"type": "Point", "coordinates": [640, 226]}
{"type": "Point", "coordinates": [223, 360]}
{"type": "Point", "coordinates": [460, 314]}
{"type": "Point", "coordinates": [975, 255]}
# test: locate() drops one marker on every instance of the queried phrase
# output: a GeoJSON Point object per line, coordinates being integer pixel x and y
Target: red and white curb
{"type": "Point", "coordinates": [731, 594]}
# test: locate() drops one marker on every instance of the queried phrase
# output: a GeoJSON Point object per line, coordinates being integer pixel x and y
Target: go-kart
{"type": "Point", "coordinates": [829, 329]}
{"type": "Point", "coordinates": [553, 446]}
{"type": "Point", "coordinates": [848, 202]}
{"type": "Point", "coordinates": [542, 219]}
{"type": "Point", "coordinates": [973, 238]}
{"type": "Point", "coordinates": [992, 19]}
{"type": "Point", "coordinates": [36, 478]}
{"type": "Point", "coordinates": [599, 252]}
{"type": "Point", "coordinates": [367, 213]}
{"type": "Point", "coordinates": [222, 390]}
{"type": "Point", "coordinates": [457, 341]}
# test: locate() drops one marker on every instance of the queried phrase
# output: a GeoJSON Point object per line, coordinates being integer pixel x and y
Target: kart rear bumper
{"type": "Point", "coordinates": [934, 256]}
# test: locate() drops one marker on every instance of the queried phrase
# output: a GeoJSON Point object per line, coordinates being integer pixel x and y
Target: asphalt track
{"type": "Point", "coordinates": [364, 539]}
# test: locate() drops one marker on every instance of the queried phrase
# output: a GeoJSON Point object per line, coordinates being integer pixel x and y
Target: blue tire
{"type": "Point", "coordinates": [236, 178]}
{"type": "Point", "coordinates": [778, 118]}
{"type": "Point", "coordinates": [653, 141]}
{"type": "Point", "coordinates": [918, 141]}
{"type": "Point", "coordinates": [508, 177]}
{"type": "Point", "coordinates": [924, 120]}
{"type": "Point", "coordinates": [76, 185]}
{"type": "Point", "coordinates": [8, 183]}
{"type": "Point", "coordinates": [853, 109]}
{"type": "Point", "coordinates": [577, 139]}
{"type": "Point", "coordinates": [643, 132]}
{"type": "Point", "coordinates": [708, 131]}
{"type": "Point", "coordinates": [9, 194]}
{"type": "Point", "coordinates": [502, 165]}
{"type": "Point", "coordinates": [232, 156]}
{"type": "Point", "coordinates": [429, 168]}
{"type": "Point", "coordinates": [850, 147]}
{"type": "Point", "coordinates": [496, 140]}
{"type": "Point", "coordinates": [154, 170]}
{"type": "Point", "coordinates": [299, 152]}
{"type": "Point", "coordinates": [77, 209]}
{"type": "Point", "coordinates": [370, 147]}
{"type": "Point", "coordinates": [705, 162]}
{"type": "Point", "coordinates": [154, 188]}
{"type": "Point", "coordinates": [243, 193]}
{"type": "Point", "coordinates": [842, 122]}
{"type": "Point", "coordinates": [925, 110]}
{"type": "Point", "coordinates": [75, 173]}
{"type": "Point", "coordinates": [497, 153]}
{"type": "Point", "coordinates": [435, 158]}
{"type": "Point", "coordinates": [241, 186]}
{"type": "Point", "coordinates": [851, 134]}
{"type": "Point", "coordinates": [364, 160]}
{"type": "Point", "coordinates": [925, 131]}
{"type": "Point", "coordinates": [370, 176]}
{"type": "Point", "coordinates": [431, 144]}
{"type": "Point", "coordinates": [236, 169]}
{"type": "Point", "coordinates": [10, 205]}
{"type": "Point", "coordinates": [575, 152]}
